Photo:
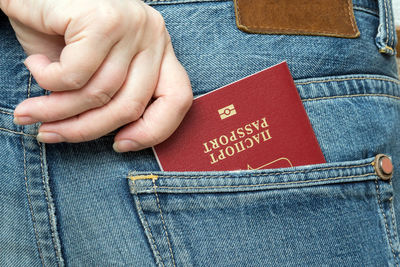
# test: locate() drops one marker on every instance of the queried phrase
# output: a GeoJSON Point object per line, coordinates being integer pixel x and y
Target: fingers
{"type": "Point", "coordinates": [89, 30]}
{"type": "Point", "coordinates": [127, 105]}
{"type": "Point", "coordinates": [98, 92]}
{"type": "Point", "coordinates": [79, 60]}
{"type": "Point", "coordinates": [173, 99]}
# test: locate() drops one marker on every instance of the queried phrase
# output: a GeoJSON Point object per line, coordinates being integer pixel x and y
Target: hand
{"type": "Point", "coordinates": [108, 64]}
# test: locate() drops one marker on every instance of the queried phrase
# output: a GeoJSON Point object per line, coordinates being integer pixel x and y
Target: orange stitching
{"type": "Point", "coordinates": [238, 12]}
{"type": "Point", "coordinates": [142, 177]}
{"type": "Point", "coordinates": [349, 4]}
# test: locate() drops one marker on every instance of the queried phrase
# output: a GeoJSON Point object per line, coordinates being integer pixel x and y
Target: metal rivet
{"type": "Point", "coordinates": [383, 166]}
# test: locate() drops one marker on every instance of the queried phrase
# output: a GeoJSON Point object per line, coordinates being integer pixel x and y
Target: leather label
{"type": "Point", "coordinates": [301, 17]}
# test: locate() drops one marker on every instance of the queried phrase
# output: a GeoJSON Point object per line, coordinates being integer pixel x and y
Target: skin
{"type": "Point", "coordinates": [108, 64]}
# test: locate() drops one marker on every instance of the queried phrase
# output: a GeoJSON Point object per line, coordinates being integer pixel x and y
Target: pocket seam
{"type": "Point", "coordinates": [132, 177]}
{"type": "Point", "coordinates": [267, 184]}
{"type": "Point", "coordinates": [349, 96]}
{"type": "Point", "coordinates": [389, 236]}
{"type": "Point", "coordinates": [150, 236]}
{"type": "Point", "coordinates": [164, 224]}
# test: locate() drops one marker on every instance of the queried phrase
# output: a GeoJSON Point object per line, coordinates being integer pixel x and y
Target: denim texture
{"type": "Point", "coordinates": [81, 205]}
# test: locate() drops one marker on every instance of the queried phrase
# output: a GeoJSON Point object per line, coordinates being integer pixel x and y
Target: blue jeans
{"type": "Point", "coordinates": [79, 205]}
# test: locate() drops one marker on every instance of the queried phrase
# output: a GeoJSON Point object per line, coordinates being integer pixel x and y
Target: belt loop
{"type": "Point", "coordinates": [386, 38]}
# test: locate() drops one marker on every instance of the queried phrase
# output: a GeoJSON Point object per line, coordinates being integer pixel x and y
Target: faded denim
{"type": "Point", "coordinates": [81, 205]}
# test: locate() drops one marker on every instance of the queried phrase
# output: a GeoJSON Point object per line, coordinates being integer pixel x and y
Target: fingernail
{"type": "Point", "coordinates": [126, 145]}
{"type": "Point", "coordinates": [48, 137]}
{"type": "Point", "coordinates": [23, 120]}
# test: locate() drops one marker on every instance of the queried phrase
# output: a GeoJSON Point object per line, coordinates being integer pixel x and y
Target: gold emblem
{"type": "Point", "coordinates": [227, 111]}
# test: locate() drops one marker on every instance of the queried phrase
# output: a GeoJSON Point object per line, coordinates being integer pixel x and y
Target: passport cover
{"type": "Point", "coordinates": [258, 122]}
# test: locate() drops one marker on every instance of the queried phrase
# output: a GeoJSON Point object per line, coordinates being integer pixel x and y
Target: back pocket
{"type": "Point", "coordinates": [328, 214]}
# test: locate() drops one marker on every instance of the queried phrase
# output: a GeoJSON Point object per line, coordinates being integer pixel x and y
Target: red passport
{"type": "Point", "coordinates": [258, 122]}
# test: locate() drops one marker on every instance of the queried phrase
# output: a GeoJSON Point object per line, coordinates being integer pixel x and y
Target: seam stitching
{"type": "Point", "coordinates": [267, 184]}
{"type": "Point", "coordinates": [53, 234]}
{"type": "Point", "coordinates": [391, 24]}
{"type": "Point", "coordinates": [349, 96]}
{"type": "Point", "coordinates": [361, 8]}
{"type": "Point", "coordinates": [29, 84]}
{"type": "Point", "coordinates": [385, 220]}
{"type": "Point", "coordinates": [238, 11]}
{"type": "Point", "coordinates": [263, 174]}
{"type": "Point", "coordinates": [163, 222]}
{"type": "Point", "coordinates": [351, 16]}
{"type": "Point", "coordinates": [20, 133]}
{"type": "Point", "coordinates": [5, 112]}
{"type": "Point", "coordinates": [349, 79]}
{"type": "Point", "coordinates": [30, 203]}
{"type": "Point", "coordinates": [386, 18]}
{"type": "Point", "coordinates": [147, 227]}
{"type": "Point", "coordinates": [392, 214]}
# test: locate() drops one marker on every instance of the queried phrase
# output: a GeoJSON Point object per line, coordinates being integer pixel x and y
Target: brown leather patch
{"type": "Point", "coordinates": [305, 17]}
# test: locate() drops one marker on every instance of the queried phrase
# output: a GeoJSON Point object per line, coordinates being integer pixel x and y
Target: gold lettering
{"type": "Point", "coordinates": [264, 123]}
{"type": "Point", "coordinates": [256, 137]}
{"type": "Point", "coordinates": [227, 151]}
{"type": "Point", "coordinates": [213, 160]}
{"type": "Point", "coordinates": [233, 137]}
{"type": "Point", "coordinates": [250, 141]}
{"type": "Point", "coordinates": [248, 129]}
{"type": "Point", "coordinates": [242, 147]}
{"type": "Point", "coordinates": [268, 135]}
{"type": "Point", "coordinates": [214, 143]}
{"type": "Point", "coordinates": [222, 138]}
{"type": "Point", "coordinates": [221, 155]}
{"type": "Point", "coordinates": [240, 132]}
{"type": "Point", "coordinates": [206, 150]}
{"type": "Point", "coordinates": [256, 124]}
{"type": "Point", "coordinates": [237, 141]}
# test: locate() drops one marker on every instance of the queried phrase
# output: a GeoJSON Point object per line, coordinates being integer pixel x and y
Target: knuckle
{"type": "Point", "coordinates": [132, 111]}
{"type": "Point", "coordinates": [106, 19]}
{"type": "Point", "coordinates": [187, 101]}
{"type": "Point", "coordinates": [140, 16]}
{"type": "Point", "coordinates": [158, 23]}
{"type": "Point", "coordinates": [150, 137]}
{"type": "Point", "coordinates": [184, 101]}
{"type": "Point", "coordinates": [113, 23]}
{"type": "Point", "coordinates": [154, 139]}
{"type": "Point", "coordinates": [73, 81]}
{"type": "Point", "coordinates": [98, 98]}
{"type": "Point", "coordinates": [80, 135]}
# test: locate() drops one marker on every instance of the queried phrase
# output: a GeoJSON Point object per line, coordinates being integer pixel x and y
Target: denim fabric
{"type": "Point", "coordinates": [85, 205]}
